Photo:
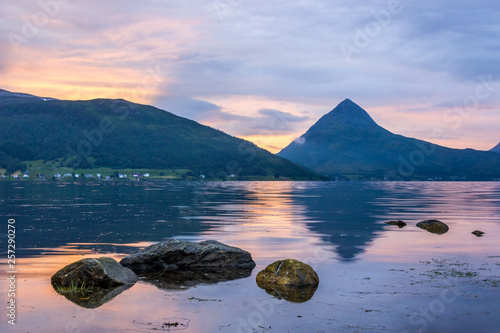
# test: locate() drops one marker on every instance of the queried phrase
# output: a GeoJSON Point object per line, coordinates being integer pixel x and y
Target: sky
{"type": "Point", "coordinates": [268, 70]}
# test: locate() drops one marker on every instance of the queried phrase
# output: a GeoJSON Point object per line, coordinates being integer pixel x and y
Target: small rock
{"type": "Point", "coordinates": [289, 272]}
{"type": "Point", "coordinates": [176, 254]}
{"type": "Point", "coordinates": [102, 272]}
{"type": "Point", "coordinates": [434, 226]}
{"type": "Point", "coordinates": [478, 233]}
{"type": "Point", "coordinates": [289, 279]}
{"type": "Point", "coordinates": [398, 223]}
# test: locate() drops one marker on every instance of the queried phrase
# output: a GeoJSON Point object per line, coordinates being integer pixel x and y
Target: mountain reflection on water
{"type": "Point", "coordinates": [118, 217]}
{"type": "Point", "coordinates": [374, 276]}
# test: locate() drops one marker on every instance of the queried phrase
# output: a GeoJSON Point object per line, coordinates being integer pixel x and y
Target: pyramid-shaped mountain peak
{"type": "Point", "coordinates": [346, 114]}
{"type": "Point", "coordinates": [347, 143]}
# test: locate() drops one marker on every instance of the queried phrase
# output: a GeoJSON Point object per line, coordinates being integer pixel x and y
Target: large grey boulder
{"type": "Point", "coordinates": [176, 254]}
{"type": "Point", "coordinates": [99, 273]}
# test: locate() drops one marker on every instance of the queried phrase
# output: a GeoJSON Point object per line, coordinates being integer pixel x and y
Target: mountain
{"type": "Point", "coordinates": [496, 149]}
{"type": "Point", "coordinates": [121, 134]}
{"type": "Point", "coordinates": [7, 97]}
{"type": "Point", "coordinates": [347, 143]}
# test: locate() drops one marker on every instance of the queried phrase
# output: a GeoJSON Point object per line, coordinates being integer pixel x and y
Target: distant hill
{"type": "Point", "coordinates": [347, 143]}
{"type": "Point", "coordinates": [7, 97]}
{"type": "Point", "coordinates": [121, 134]}
{"type": "Point", "coordinates": [496, 149]}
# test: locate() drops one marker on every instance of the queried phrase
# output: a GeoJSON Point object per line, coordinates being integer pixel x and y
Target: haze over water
{"type": "Point", "coordinates": [373, 276]}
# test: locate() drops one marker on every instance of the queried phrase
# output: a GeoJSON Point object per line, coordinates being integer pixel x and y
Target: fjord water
{"type": "Point", "coordinates": [373, 277]}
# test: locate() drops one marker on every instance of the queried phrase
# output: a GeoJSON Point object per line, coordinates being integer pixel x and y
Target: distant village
{"type": "Point", "coordinates": [27, 175]}
{"type": "Point", "coordinates": [86, 176]}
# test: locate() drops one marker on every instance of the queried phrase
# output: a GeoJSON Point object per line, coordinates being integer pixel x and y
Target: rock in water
{"type": "Point", "coordinates": [478, 233]}
{"type": "Point", "coordinates": [101, 272]}
{"type": "Point", "coordinates": [289, 279]}
{"type": "Point", "coordinates": [175, 254]}
{"type": "Point", "coordinates": [434, 226]}
{"type": "Point", "coordinates": [400, 224]}
{"type": "Point", "coordinates": [289, 272]}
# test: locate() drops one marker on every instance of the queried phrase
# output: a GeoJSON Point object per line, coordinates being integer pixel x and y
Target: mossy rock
{"type": "Point", "coordinates": [102, 272]}
{"type": "Point", "coordinates": [288, 272]}
{"type": "Point", "coordinates": [289, 279]}
{"type": "Point", "coordinates": [434, 226]}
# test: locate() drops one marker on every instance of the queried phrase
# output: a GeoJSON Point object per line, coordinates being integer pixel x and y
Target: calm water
{"type": "Point", "coordinates": [373, 277]}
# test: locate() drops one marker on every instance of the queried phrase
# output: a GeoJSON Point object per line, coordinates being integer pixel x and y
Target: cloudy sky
{"type": "Point", "coordinates": [267, 70]}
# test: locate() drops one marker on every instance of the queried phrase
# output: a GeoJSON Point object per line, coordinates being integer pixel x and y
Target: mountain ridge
{"type": "Point", "coordinates": [361, 149]}
{"type": "Point", "coordinates": [122, 134]}
{"type": "Point", "coordinates": [4, 95]}
{"type": "Point", "coordinates": [496, 149]}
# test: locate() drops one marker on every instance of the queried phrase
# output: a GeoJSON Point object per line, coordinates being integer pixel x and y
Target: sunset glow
{"type": "Point", "coordinates": [223, 65]}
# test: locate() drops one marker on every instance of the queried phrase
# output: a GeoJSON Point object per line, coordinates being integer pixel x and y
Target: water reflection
{"type": "Point", "coordinates": [273, 220]}
{"type": "Point", "coordinates": [292, 294]}
{"type": "Point", "coordinates": [95, 298]}
{"type": "Point", "coordinates": [338, 228]}
{"type": "Point", "coordinates": [102, 215]}
{"type": "Point", "coordinates": [185, 279]}
{"type": "Point", "coordinates": [344, 214]}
